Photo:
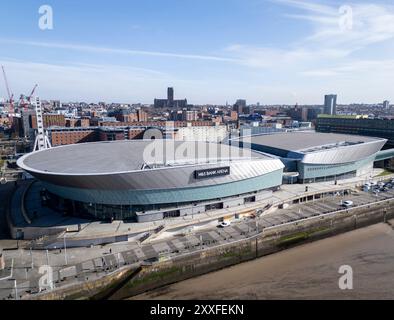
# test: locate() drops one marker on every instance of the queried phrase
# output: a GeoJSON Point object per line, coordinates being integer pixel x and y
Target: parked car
{"type": "Point", "coordinates": [347, 203]}
{"type": "Point", "coordinates": [224, 224]}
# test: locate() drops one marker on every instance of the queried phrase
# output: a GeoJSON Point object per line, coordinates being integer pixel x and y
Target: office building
{"type": "Point", "coordinates": [382, 128]}
{"type": "Point", "coordinates": [189, 115]}
{"type": "Point", "coordinates": [330, 104]}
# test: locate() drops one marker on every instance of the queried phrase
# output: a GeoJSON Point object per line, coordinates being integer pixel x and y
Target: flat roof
{"type": "Point", "coordinates": [125, 156]}
{"type": "Point", "coordinates": [301, 141]}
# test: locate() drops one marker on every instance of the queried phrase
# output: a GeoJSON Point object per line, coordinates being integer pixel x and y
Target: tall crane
{"type": "Point", "coordinates": [10, 99]}
{"type": "Point", "coordinates": [32, 92]}
{"type": "Point", "coordinates": [24, 100]}
{"type": "Point", "coordinates": [10, 95]}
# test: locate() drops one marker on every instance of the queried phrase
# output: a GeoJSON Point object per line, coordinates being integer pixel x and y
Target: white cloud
{"type": "Point", "coordinates": [372, 23]}
{"type": "Point", "coordinates": [112, 83]}
{"type": "Point", "coordinates": [90, 81]}
{"type": "Point", "coordinates": [328, 50]}
{"type": "Point", "coordinates": [95, 49]}
{"type": "Point", "coordinates": [308, 6]}
{"type": "Point", "coordinates": [371, 69]}
{"type": "Point", "coordinates": [273, 58]}
{"type": "Point", "coordinates": [327, 58]}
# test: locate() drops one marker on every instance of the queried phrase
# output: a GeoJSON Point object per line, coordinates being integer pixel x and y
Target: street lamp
{"type": "Point", "coordinates": [47, 257]}
{"type": "Point", "coordinates": [31, 255]}
{"type": "Point", "coordinates": [16, 290]}
{"type": "Point", "coordinates": [65, 248]}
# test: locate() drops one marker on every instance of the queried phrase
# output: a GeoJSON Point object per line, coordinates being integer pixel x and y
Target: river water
{"type": "Point", "coordinates": [309, 271]}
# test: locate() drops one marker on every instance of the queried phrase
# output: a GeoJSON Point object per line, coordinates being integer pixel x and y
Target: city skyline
{"type": "Point", "coordinates": [268, 51]}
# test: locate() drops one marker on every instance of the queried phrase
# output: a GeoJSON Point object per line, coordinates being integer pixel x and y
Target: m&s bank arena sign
{"type": "Point", "coordinates": [211, 173]}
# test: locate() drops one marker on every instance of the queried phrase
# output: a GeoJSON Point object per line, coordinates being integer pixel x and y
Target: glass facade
{"type": "Point", "coordinates": [129, 212]}
{"type": "Point", "coordinates": [347, 175]}
{"type": "Point", "coordinates": [364, 127]}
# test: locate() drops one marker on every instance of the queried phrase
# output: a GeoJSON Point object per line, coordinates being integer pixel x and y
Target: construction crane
{"type": "Point", "coordinates": [10, 99]}
{"type": "Point", "coordinates": [25, 101]}
{"type": "Point", "coordinates": [10, 95]}
{"type": "Point", "coordinates": [32, 92]}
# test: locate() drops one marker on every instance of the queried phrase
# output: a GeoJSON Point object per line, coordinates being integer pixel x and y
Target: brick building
{"type": "Point", "coordinates": [111, 134]}
{"type": "Point", "coordinates": [49, 120]}
{"type": "Point", "coordinates": [74, 122]}
{"type": "Point", "coordinates": [64, 136]}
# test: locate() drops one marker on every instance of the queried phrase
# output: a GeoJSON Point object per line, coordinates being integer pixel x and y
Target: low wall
{"type": "Point", "coordinates": [34, 233]}
{"type": "Point", "coordinates": [78, 243]}
{"type": "Point", "coordinates": [94, 289]}
{"type": "Point", "coordinates": [270, 241]}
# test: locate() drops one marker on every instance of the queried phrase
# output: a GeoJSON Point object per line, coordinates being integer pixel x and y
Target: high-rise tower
{"type": "Point", "coordinates": [170, 97]}
{"type": "Point", "coordinates": [330, 104]}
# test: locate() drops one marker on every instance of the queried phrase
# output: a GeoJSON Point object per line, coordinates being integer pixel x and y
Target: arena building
{"type": "Point", "coordinates": [315, 157]}
{"type": "Point", "coordinates": [149, 180]}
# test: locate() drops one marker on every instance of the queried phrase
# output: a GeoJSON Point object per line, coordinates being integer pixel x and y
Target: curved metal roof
{"type": "Point", "coordinates": [129, 155]}
{"type": "Point", "coordinates": [306, 142]}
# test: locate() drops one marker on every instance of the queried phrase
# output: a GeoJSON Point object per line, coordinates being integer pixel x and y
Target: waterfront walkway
{"type": "Point", "coordinates": [78, 265]}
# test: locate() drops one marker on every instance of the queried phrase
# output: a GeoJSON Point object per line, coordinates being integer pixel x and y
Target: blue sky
{"type": "Point", "coordinates": [211, 51]}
